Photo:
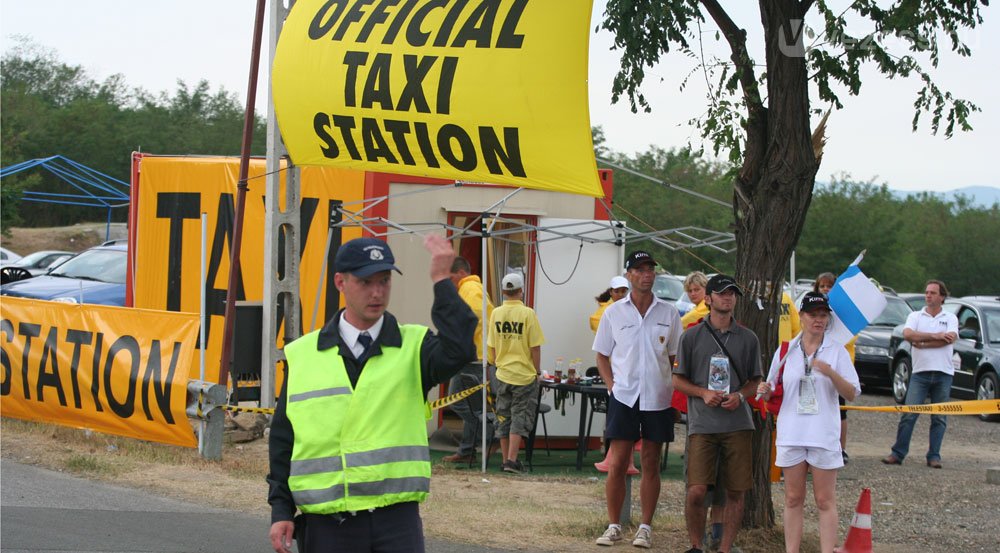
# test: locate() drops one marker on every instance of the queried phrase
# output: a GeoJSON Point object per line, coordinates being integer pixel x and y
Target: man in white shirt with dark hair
{"type": "Point", "coordinates": [932, 332]}
{"type": "Point", "coordinates": [635, 344]}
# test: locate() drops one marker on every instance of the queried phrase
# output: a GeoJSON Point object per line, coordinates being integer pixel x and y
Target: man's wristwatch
{"type": "Point", "coordinates": [741, 396]}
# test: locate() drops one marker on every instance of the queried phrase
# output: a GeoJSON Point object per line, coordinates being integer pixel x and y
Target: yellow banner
{"type": "Point", "coordinates": [117, 370]}
{"type": "Point", "coordinates": [172, 194]}
{"type": "Point", "coordinates": [490, 91]}
{"type": "Point", "coordinates": [972, 407]}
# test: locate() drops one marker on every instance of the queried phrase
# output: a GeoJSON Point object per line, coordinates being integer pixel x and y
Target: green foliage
{"type": "Point", "coordinates": [909, 238]}
{"type": "Point", "coordinates": [647, 206]}
{"type": "Point", "coordinates": [50, 108]}
{"type": "Point", "coordinates": [895, 40]}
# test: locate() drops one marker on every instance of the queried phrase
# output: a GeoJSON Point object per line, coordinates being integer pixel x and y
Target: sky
{"type": "Point", "coordinates": [154, 44]}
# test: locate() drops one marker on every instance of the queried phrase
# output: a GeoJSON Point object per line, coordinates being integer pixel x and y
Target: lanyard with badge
{"type": "Point", "coordinates": [718, 365]}
{"type": "Point", "coordinates": [807, 387]}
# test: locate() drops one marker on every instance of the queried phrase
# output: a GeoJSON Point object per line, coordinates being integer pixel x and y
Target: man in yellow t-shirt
{"type": "Point", "coordinates": [470, 289]}
{"type": "Point", "coordinates": [515, 343]}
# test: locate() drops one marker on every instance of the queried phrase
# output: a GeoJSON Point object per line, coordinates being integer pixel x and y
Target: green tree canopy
{"type": "Point", "coordinates": [50, 107]}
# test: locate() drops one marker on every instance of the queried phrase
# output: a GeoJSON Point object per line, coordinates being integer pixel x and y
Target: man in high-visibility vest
{"type": "Point", "coordinates": [348, 445]}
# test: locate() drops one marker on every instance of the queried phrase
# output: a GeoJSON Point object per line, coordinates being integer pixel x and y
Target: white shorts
{"type": "Point", "coordinates": [826, 459]}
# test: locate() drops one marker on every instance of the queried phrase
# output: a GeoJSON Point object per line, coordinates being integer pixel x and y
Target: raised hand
{"type": "Point", "coordinates": [442, 256]}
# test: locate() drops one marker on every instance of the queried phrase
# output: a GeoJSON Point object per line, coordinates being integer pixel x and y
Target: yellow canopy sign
{"type": "Point", "coordinates": [118, 370]}
{"type": "Point", "coordinates": [488, 91]}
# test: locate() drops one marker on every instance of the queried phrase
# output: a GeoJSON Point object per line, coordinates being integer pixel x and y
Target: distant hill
{"type": "Point", "coordinates": [981, 196]}
{"type": "Point", "coordinates": [984, 196]}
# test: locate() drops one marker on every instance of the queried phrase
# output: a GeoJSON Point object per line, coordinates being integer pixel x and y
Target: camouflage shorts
{"type": "Point", "coordinates": [517, 406]}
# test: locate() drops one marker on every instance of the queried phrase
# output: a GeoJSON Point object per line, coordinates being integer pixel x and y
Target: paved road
{"type": "Point", "coordinates": [51, 512]}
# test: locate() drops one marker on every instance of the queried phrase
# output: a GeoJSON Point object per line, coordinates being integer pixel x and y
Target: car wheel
{"type": "Point", "coordinates": [986, 388]}
{"type": "Point", "coordinates": [901, 379]}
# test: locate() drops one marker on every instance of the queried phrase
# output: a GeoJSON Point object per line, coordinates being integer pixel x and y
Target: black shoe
{"type": "Point", "coordinates": [694, 550]}
{"type": "Point", "coordinates": [513, 467]}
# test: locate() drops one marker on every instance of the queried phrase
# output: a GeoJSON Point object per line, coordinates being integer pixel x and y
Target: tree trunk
{"type": "Point", "coordinates": [772, 195]}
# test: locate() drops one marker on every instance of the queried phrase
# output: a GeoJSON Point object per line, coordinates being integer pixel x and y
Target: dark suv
{"type": "Point", "coordinates": [977, 351]}
{"type": "Point", "coordinates": [873, 350]}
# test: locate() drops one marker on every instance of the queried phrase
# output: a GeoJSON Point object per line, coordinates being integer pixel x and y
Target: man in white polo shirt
{"type": "Point", "coordinates": [635, 344]}
{"type": "Point", "coordinates": [932, 332]}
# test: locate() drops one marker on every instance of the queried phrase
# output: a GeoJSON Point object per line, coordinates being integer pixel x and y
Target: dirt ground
{"type": "Point", "coordinates": [74, 238]}
{"type": "Point", "coordinates": [914, 507]}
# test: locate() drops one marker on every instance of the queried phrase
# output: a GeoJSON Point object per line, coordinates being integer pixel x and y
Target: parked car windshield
{"type": "Point", "coordinates": [668, 287]}
{"type": "Point", "coordinates": [41, 259]}
{"type": "Point", "coordinates": [102, 265]}
{"type": "Point", "coordinates": [895, 312]}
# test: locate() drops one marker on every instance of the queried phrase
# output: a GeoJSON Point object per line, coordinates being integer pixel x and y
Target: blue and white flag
{"type": "Point", "coordinates": [855, 301]}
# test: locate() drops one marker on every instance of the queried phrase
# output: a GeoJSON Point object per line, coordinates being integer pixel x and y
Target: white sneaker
{"type": "Point", "coordinates": [643, 538]}
{"type": "Point", "coordinates": [611, 536]}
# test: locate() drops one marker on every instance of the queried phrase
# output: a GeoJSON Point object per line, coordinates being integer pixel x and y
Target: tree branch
{"type": "Point", "coordinates": [737, 39]}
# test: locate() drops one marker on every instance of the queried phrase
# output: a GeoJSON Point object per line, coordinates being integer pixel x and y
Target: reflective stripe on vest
{"type": "Point", "coordinates": [362, 447]}
{"type": "Point", "coordinates": [415, 484]}
{"type": "Point", "coordinates": [318, 393]}
{"type": "Point", "coordinates": [361, 459]}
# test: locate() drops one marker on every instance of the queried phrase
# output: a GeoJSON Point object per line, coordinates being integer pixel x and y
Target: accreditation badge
{"type": "Point", "coordinates": [808, 405]}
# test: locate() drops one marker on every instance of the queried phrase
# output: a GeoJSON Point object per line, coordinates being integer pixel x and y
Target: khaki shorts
{"type": "Point", "coordinates": [736, 450]}
{"type": "Point", "coordinates": [517, 405]}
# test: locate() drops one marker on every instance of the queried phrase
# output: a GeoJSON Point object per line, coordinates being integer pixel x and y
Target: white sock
{"type": "Point", "coordinates": [618, 526]}
{"type": "Point", "coordinates": [646, 526]}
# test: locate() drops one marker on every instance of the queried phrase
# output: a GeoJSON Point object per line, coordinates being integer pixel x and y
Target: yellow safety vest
{"type": "Point", "coordinates": [357, 448]}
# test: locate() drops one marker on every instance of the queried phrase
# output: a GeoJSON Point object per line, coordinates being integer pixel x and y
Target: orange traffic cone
{"type": "Point", "coordinates": [859, 537]}
{"type": "Point", "coordinates": [602, 466]}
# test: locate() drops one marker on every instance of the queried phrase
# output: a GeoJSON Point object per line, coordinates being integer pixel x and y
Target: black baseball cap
{"type": "Point", "coordinates": [814, 300]}
{"type": "Point", "coordinates": [638, 257]}
{"type": "Point", "coordinates": [364, 257]}
{"type": "Point", "coordinates": [720, 283]}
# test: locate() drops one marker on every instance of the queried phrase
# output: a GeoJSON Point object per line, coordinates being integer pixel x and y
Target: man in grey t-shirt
{"type": "Point", "coordinates": [718, 366]}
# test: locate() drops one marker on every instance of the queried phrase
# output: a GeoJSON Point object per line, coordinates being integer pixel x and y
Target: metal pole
{"type": "Point", "coordinates": [241, 195]}
{"type": "Point", "coordinates": [795, 290]}
{"type": "Point", "coordinates": [485, 321]}
{"type": "Point", "coordinates": [202, 311]}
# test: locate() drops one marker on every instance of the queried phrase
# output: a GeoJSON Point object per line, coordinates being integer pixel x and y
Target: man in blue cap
{"type": "Point", "coordinates": [348, 445]}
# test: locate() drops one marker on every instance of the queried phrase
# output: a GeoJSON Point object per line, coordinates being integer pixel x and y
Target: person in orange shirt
{"type": "Point", "coordinates": [694, 285]}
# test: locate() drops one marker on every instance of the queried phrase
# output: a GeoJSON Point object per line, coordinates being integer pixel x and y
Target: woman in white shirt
{"type": "Point", "coordinates": [816, 371]}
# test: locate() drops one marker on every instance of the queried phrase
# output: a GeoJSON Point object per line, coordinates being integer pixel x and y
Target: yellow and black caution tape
{"type": "Point", "coordinates": [238, 409]}
{"type": "Point", "coordinates": [435, 405]}
{"type": "Point", "coordinates": [448, 400]}
{"type": "Point", "coordinates": [972, 407]}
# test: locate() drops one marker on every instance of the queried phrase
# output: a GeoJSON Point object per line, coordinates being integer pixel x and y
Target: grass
{"type": "Point", "coordinates": [89, 464]}
{"type": "Point", "coordinates": [557, 462]}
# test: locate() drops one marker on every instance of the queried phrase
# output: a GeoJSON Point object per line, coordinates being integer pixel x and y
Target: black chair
{"type": "Point", "coordinates": [598, 404]}
{"type": "Point", "coordinates": [475, 403]}
{"type": "Point", "coordinates": [13, 274]}
{"type": "Point", "coordinates": [529, 450]}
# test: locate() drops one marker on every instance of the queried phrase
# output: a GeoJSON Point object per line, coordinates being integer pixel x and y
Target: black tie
{"type": "Point", "coordinates": [365, 340]}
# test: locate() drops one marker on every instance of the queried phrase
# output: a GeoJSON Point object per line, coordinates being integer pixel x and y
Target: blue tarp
{"type": "Point", "coordinates": [96, 188]}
